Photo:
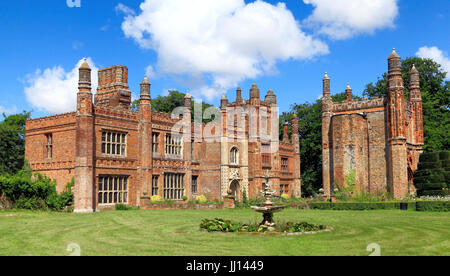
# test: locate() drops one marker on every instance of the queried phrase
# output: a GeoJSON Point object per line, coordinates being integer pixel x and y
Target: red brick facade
{"type": "Point", "coordinates": [381, 139]}
{"type": "Point", "coordinates": [117, 155]}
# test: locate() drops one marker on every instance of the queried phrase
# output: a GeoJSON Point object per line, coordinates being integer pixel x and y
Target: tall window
{"type": "Point", "coordinates": [265, 154]}
{"type": "Point", "coordinates": [155, 185]}
{"type": "Point", "coordinates": [113, 143]}
{"type": "Point", "coordinates": [112, 189]}
{"type": "Point", "coordinates": [194, 184]}
{"type": "Point", "coordinates": [234, 156]}
{"type": "Point", "coordinates": [284, 164]}
{"type": "Point", "coordinates": [49, 145]}
{"type": "Point", "coordinates": [155, 136]}
{"type": "Point", "coordinates": [173, 186]}
{"type": "Point", "coordinates": [284, 189]}
{"type": "Point", "coordinates": [173, 145]}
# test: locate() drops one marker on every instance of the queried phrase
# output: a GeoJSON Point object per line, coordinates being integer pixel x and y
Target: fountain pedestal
{"type": "Point", "coordinates": [267, 208]}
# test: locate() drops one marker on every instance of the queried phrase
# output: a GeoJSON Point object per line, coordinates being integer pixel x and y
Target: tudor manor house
{"type": "Point", "coordinates": [119, 155]}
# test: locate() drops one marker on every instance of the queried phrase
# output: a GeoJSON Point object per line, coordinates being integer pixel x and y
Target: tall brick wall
{"type": "Point", "coordinates": [382, 137]}
{"type": "Point", "coordinates": [62, 164]}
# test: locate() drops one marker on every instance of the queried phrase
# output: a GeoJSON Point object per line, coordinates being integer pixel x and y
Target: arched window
{"type": "Point", "coordinates": [234, 156]}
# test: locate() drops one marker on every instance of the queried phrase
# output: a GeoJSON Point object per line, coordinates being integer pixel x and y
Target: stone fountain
{"type": "Point", "coordinates": [267, 208]}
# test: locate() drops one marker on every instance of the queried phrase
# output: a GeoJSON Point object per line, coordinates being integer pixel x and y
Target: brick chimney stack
{"type": "Point", "coordinates": [415, 97]}
{"type": "Point", "coordinates": [348, 93]}
{"type": "Point", "coordinates": [84, 146]}
{"type": "Point", "coordinates": [326, 85]}
{"type": "Point", "coordinates": [396, 128]}
{"type": "Point", "coordinates": [145, 138]}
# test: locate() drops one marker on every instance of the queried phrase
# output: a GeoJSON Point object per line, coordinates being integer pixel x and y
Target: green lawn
{"type": "Point", "coordinates": [176, 232]}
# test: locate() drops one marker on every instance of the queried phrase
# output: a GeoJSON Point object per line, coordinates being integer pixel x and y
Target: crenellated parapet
{"type": "Point", "coordinates": [51, 121]}
{"type": "Point", "coordinates": [355, 104]}
{"type": "Point", "coordinates": [117, 112]}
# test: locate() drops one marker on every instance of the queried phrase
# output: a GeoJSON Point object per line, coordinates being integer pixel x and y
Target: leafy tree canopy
{"type": "Point", "coordinates": [310, 133]}
{"type": "Point", "coordinates": [12, 142]}
{"type": "Point", "coordinates": [168, 103]}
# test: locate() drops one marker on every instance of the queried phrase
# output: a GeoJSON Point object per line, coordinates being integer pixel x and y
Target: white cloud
{"type": "Point", "coordinates": [435, 54]}
{"type": "Point", "coordinates": [341, 19]}
{"type": "Point", "coordinates": [6, 110]}
{"type": "Point", "coordinates": [150, 72]}
{"type": "Point", "coordinates": [221, 42]}
{"type": "Point", "coordinates": [55, 90]}
{"type": "Point", "coordinates": [124, 9]}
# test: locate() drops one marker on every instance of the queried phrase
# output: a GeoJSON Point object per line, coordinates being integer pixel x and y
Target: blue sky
{"type": "Point", "coordinates": [351, 43]}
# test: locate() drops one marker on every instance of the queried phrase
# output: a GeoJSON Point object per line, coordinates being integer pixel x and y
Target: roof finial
{"type": "Point", "coordinates": [85, 65]}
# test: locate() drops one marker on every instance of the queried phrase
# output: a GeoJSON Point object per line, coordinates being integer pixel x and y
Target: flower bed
{"type": "Point", "coordinates": [227, 226]}
{"type": "Point", "coordinates": [192, 205]}
{"type": "Point", "coordinates": [419, 205]}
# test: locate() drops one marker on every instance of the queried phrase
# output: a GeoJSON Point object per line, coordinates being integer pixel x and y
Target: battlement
{"type": "Point", "coordinates": [162, 116]}
{"type": "Point", "coordinates": [359, 104]}
{"type": "Point", "coordinates": [117, 112]}
{"type": "Point", "coordinates": [59, 119]}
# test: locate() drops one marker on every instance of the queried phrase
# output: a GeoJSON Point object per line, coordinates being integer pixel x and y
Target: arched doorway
{"type": "Point", "coordinates": [235, 188]}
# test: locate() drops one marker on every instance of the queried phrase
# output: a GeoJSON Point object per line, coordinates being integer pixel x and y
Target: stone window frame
{"type": "Point", "coordinates": [284, 188]}
{"type": "Point", "coordinates": [49, 146]}
{"type": "Point", "coordinates": [173, 145]}
{"type": "Point", "coordinates": [155, 142]}
{"type": "Point", "coordinates": [265, 156]}
{"type": "Point", "coordinates": [194, 184]}
{"type": "Point", "coordinates": [284, 164]}
{"type": "Point", "coordinates": [107, 143]}
{"type": "Point", "coordinates": [112, 189]}
{"type": "Point", "coordinates": [234, 155]}
{"type": "Point", "coordinates": [155, 188]}
{"type": "Point", "coordinates": [173, 186]}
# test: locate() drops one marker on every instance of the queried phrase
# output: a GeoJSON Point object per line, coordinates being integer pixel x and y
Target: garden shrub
{"type": "Point", "coordinates": [432, 175]}
{"type": "Point", "coordinates": [440, 206]}
{"type": "Point", "coordinates": [355, 205]}
{"type": "Point", "coordinates": [445, 192]}
{"type": "Point", "coordinates": [444, 155]}
{"type": "Point", "coordinates": [156, 198]}
{"type": "Point", "coordinates": [429, 157]}
{"type": "Point", "coordinates": [285, 196]}
{"type": "Point", "coordinates": [123, 207]}
{"type": "Point", "coordinates": [221, 225]}
{"type": "Point", "coordinates": [27, 190]}
{"type": "Point", "coordinates": [202, 199]}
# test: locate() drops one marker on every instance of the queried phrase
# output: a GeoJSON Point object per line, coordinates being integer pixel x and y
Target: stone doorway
{"type": "Point", "coordinates": [235, 188]}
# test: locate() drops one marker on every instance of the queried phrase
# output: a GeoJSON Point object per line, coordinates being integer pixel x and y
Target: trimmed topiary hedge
{"type": "Point", "coordinates": [433, 174]}
{"type": "Point", "coordinates": [432, 205]}
{"type": "Point", "coordinates": [359, 205]}
{"type": "Point", "coordinates": [429, 157]}
{"type": "Point", "coordinates": [440, 206]}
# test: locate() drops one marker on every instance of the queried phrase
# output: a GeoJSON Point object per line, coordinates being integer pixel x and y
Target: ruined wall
{"type": "Point", "coordinates": [350, 149]}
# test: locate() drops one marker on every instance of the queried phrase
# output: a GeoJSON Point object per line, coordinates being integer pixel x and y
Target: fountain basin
{"type": "Point", "coordinates": [268, 209]}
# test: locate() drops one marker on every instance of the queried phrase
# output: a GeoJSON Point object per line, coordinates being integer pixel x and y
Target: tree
{"type": "Point", "coordinates": [310, 133]}
{"type": "Point", "coordinates": [168, 103]}
{"type": "Point", "coordinates": [12, 142]}
{"type": "Point", "coordinates": [435, 100]}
